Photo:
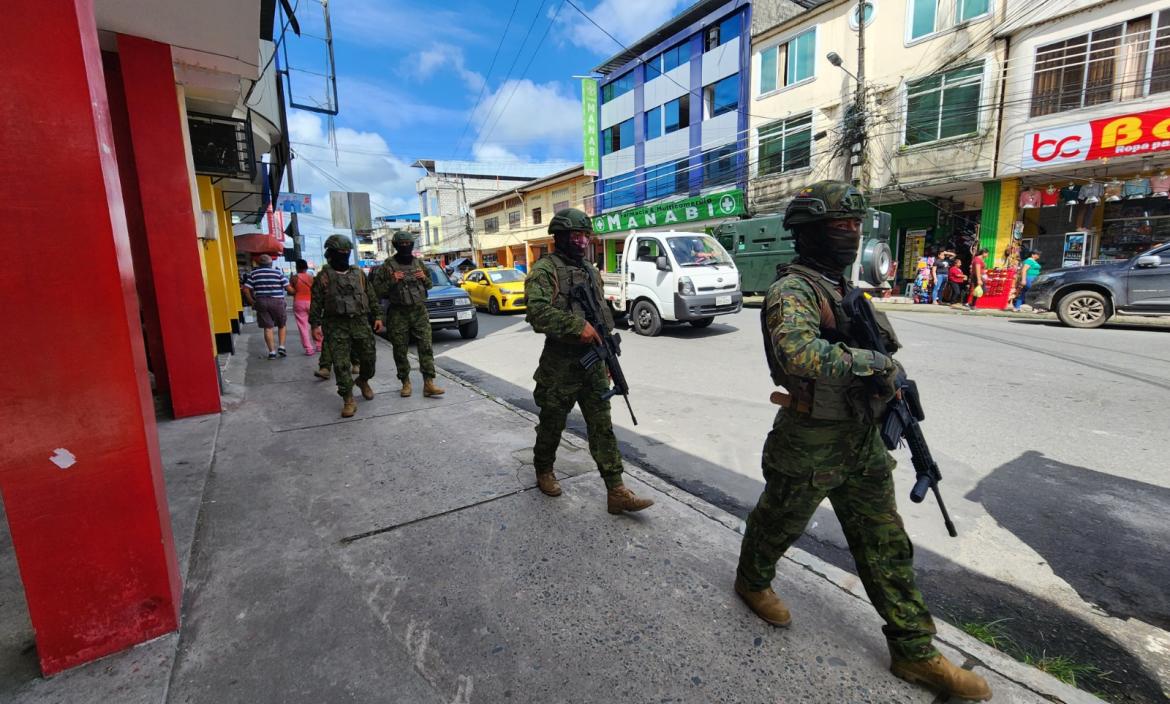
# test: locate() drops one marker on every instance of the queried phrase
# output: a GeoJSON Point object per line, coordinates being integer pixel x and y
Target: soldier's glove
{"type": "Point", "coordinates": [886, 381]}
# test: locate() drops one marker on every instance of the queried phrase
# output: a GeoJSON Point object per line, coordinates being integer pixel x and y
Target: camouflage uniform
{"type": "Point", "coordinates": [561, 381]}
{"type": "Point", "coordinates": [346, 334]}
{"type": "Point", "coordinates": [406, 313]}
{"type": "Point", "coordinates": [325, 358]}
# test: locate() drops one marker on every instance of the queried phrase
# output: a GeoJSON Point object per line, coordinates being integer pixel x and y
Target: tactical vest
{"type": "Point", "coordinates": [346, 292]}
{"type": "Point", "coordinates": [826, 399]}
{"type": "Point", "coordinates": [410, 291]}
{"type": "Point", "coordinates": [567, 276]}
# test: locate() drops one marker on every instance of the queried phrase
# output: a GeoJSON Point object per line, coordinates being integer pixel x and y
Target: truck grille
{"type": "Point", "coordinates": [441, 304]}
{"type": "Point", "coordinates": [709, 289]}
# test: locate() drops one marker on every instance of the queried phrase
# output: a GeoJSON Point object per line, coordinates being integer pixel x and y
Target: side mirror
{"type": "Point", "coordinates": [1149, 261]}
{"type": "Point", "coordinates": [662, 263]}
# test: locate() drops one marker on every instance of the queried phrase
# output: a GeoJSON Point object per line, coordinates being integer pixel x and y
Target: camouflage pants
{"type": "Point", "coordinates": [346, 339]}
{"type": "Point", "coordinates": [403, 323]}
{"type": "Point", "coordinates": [804, 461]}
{"type": "Point", "coordinates": [325, 359]}
{"type": "Point", "coordinates": [561, 382]}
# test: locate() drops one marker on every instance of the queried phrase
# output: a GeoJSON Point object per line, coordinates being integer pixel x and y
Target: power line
{"type": "Point", "coordinates": [486, 77]}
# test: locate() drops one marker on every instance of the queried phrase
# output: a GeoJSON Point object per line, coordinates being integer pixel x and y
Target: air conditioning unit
{"type": "Point", "coordinates": [222, 146]}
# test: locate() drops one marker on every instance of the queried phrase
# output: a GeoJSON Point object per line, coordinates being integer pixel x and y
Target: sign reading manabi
{"type": "Point", "coordinates": [589, 126]}
{"type": "Point", "coordinates": [713, 205]}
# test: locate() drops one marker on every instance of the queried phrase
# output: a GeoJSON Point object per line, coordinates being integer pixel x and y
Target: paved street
{"type": "Point", "coordinates": [1047, 439]}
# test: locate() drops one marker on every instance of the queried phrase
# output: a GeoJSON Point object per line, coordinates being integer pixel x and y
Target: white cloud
{"type": "Point", "coordinates": [390, 108]}
{"type": "Point", "coordinates": [424, 64]}
{"type": "Point", "coordinates": [626, 20]}
{"type": "Point", "coordinates": [521, 116]}
{"type": "Point", "coordinates": [391, 23]}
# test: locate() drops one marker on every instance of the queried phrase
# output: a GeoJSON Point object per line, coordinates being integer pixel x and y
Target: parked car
{"type": "Point", "coordinates": [449, 306]}
{"type": "Point", "coordinates": [1087, 296]}
{"type": "Point", "coordinates": [496, 288]}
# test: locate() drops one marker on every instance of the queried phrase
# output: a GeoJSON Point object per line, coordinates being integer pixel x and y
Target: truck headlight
{"type": "Point", "coordinates": [462, 301]}
{"type": "Point", "coordinates": [685, 286]}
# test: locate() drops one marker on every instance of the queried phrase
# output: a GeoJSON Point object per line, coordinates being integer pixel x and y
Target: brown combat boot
{"type": "Point", "coordinates": [406, 389]}
{"type": "Point", "coordinates": [355, 369]}
{"type": "Point", "coordinates": [941, 676]}
{"type": "Point", "coordinates": [322, 373]}
{"type": "Point", "coordinates": [765, 603]}
{"type": "Point", "coordinates": [429, 388]}
{"type": "Point", "coordinates": [620, 498]}
{"type": "Point", "coordinates": [367, 392]}
{"type": "Point", "coordinates": [547, 481]}
{"type": "Point", "coordinates": [349, 407]}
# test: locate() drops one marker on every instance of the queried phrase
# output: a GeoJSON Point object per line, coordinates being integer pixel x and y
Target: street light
{"type": "Point", "coordinates": [835, 59]}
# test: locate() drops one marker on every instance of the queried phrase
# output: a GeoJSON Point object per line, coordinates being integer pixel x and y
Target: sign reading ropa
{"type": "Point", "coordinates": [713, 205]}
{"type": "Point", "coordinates": [1123, 135]}
{"type": "Point", "coordinates": [589, 126]}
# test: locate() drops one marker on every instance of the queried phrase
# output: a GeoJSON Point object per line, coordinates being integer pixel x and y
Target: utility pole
{"type": "Point", "coordinates": [467, 218]}
{"type": "Point", "coordinates": [855, 173]}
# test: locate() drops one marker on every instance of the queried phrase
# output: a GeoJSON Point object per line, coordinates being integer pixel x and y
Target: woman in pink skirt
{"type": "Point", "coordinates": [303, 285]}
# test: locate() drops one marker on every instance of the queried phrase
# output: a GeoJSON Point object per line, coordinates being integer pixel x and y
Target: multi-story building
{"type": "Point", "coordinates": [920, 138]}
{"type": "Point", "coordinates": [1085, 143]}
{"type": "Point", "coordinates": [511, 228]}
{"type": "Point", "coordinates": [673, 119]}
{"type": "Point", "coordinates": [386, 225]}
{"type": "Point", "coordinates": [447, 189]}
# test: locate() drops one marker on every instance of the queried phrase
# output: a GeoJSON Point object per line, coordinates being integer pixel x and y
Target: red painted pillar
{"type": "Point", "coordinates": [168, 213]}
{"type": "Point", "coordinates": [79, 463]}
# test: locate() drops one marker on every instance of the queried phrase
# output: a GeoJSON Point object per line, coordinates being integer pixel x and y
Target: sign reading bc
{"type": "Point", "coordinates": [1121, 135]}
{"type": "Point", "coordinates": [1058, 146]}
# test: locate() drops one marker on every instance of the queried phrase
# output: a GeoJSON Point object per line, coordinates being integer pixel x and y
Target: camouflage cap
{"type": "Point", "coordinates": [402, 236]}
{"type": "Point", "coordinates": [824, 200]}
{"type": "Point", "coordinates": [339, 242]}
{"type": "Point", "coordinates": [570, 220]}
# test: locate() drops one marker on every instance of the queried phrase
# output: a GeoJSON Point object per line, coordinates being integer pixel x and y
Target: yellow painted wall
{"type": "Point", "coordinates": [1009, 196]}
{"type": "Point", "coordinates": [216, 283]}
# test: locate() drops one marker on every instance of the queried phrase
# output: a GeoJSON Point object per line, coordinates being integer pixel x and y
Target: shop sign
{"type": "Point", "coordinates": [1122, 135]}
{"type": "Point", "coordinates": [589, 126]}
{"type": "Point", "coordinates": [713, 205]}
{"type": "Point", "coordinates": [294, 203]}
{"type": "Point", "coordinates": [912, 252]}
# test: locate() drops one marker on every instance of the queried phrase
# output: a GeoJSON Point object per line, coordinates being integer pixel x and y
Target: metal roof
{"type": "Point", "coordinates": [490, 170]}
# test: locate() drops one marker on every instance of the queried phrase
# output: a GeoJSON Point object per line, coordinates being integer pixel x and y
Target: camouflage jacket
{"type": "Point", "coordinates": [410, 291]}
{"type": "Point", "coordinates": [321, 292]}
{"type": "Point", "coordinates": [546, 291]}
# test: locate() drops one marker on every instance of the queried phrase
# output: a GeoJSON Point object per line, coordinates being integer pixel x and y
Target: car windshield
{"type": "Point", "coordinates": [438, 278]}
{"type": "Point", "coordinates": [505, 276]}
{"type": "Point", "coordinates": [698, 250]}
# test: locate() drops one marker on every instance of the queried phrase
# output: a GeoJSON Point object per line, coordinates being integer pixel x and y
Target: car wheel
{"type": "Point", "coordinates": [493, 306]}
{"type": "Point", "coordinates": [645, 319]}
{"type": "Point", "coordinates": [1083, 309]}
{"type": "Point", "coordinates": [702, 322]}
{"type": "Point", "coordinates": [468, 331]}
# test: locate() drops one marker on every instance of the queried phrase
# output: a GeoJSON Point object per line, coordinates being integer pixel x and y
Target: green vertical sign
{"type": "Point", "coordinates": [591, 157]}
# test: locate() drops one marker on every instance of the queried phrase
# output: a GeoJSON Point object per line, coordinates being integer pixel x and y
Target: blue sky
{"type": "Point", "coordinates": [413, 82]}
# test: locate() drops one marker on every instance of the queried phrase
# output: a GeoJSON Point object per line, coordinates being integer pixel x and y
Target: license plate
{"type": "Point", "coordinates": [723, 300]}
{"type": "Point", "coordinates": [444, 319]}
{"type": "Point", "coordinates": [465, 314]}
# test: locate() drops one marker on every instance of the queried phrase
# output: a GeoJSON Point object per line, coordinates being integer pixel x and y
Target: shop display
{"type": "Point", "coordinates": [1137, 187]}
{"type": "Point", "coordinates": [1112, 190]}
{"type": "Point", "coordinates": [1070, 194]}
{"type": "Point", "coordinates": [1049, 196]}
{"type": "Point", "coordinates": [1030, 198]}
{"type": "Point", "coordinates": [1091, 193]}
{"type": "Point", "coordinates": [1160, 185]}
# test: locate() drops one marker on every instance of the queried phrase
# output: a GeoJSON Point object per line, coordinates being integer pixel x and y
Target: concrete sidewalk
{"type": "Point", "coordinates": [404, 555]}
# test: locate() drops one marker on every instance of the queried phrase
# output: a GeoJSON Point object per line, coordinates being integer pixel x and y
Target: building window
{"type": "Point", "coordinates": [1106, 65]}
{"type": "Point", "coordinates": [491, 225]}
{"type": "Point", "coordinates": [654, 123]}
{"type": "Point", "coordinates": [618, 86]}
{"type": "Point", "coordinates": [721, 96]}
{"type": "Point", "coordinates": [721, 33]}
{"type": "Point", "coordinates": [927, 16]}
{"type": "Point", "coordinates": [970, 9]}
{"type": "Point", "coordinates": [678, 113]}
{"type": "Point", "coordinates": [433, 203]}
{"type": "Point", "coordinates": [943, 105]}
{"type": "Point", "coordinates": [719, 165]}
{"type": "Point", "coordinates": [560, 205]}
{"type": "Point", "coordinates": [536, 216]}
{"type": "Point", "coordinates": [788, 63]}
{"type": "Point", "coordinates": [667, 179]}
{"type": "Point", "coordinates": [786, 145]}
{"type": "Point", "coordinates": [617, 137]}
{"type": "Point", "coordinates": [427, 230]}
{"type": "Point", "coordinates": [617, 191]}
{"type": "Point", "coordinates": [672, 58]}
{"type": "Point", "coordinates": [513, 219]}
{"type": "Point", "coordinates": [869, 13]}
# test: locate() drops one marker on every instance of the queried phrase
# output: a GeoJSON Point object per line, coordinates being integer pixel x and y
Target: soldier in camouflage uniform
{"type": "Point", "coordinates": [825, 441]}
{"type": "Point", "coordinates": [325, 359]}
{"type": "Point", "coordinates": [342, 302]}
{"type": "Point", "coordinates": [403, 281]}
{"type": "Point", "coordinates": [561, 381]}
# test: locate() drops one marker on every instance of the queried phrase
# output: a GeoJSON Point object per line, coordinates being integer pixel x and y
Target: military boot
{"type": "Point", "coordinates": [429, 388]}
{"type": "Point", "coordinates": [620, 498]}
{"type": "Point", "coordinates": [349, 407]}
{"type": "Point", "coordinates": [355, 369]}
{"type": "Point", "coordinates": [322, 373]}
{"type": "Point", "coordinates": [941, 676]}
{"type": "Point", "coordinates": [367, 392]}
{"type": "Point", "coordinates": [765, 603]}
{"type": "Point", "coordinates": [547, 481]}
{"type": "Point", "coordinates": [406, 389]}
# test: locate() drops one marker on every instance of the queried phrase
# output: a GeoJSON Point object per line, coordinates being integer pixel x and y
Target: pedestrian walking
{"type": "Point", "coordinates": [264, 288]}
{"type": "Point", "coordinates": [1029, 270]}
{"type": "Point", "coordinates": [561, 381]}
{"type": "Point", "coordinates": [403, 281]}
{"type": "Point", "coordinates": [958, 284]}
{"type": "Point", "coordinates": [825, 441]}
{"type": "Point", "coordinates": [942, 264]}
{"type": "Point", "coordinates": [339, 312]}
{"type": "Point", "coordinates": [978, 276]}
{"type": "Point", "coordinates": [302, 285]}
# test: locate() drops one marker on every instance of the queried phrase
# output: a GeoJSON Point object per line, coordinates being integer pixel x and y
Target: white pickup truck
{"type": "Point", "coordinates": [673, 277]}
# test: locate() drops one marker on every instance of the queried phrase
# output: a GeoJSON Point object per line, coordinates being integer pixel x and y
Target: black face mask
{"type": "Point", "coordinates": [337, 259]}
{"type": "Point", "coordinates": [564, 245]}
{"type": "Point", "coordinates": [403, 250]}
{"type": "Point", "coordinates": [832, 248]}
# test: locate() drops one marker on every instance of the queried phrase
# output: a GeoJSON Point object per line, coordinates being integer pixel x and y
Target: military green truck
{"type": "Point", "coordinates": [761, 243]}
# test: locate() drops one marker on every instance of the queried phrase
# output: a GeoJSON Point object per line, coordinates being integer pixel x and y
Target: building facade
{"type": "Point", "coordinates": [511, 228]}
{"type": "Point", "coordinates": [386, 225]}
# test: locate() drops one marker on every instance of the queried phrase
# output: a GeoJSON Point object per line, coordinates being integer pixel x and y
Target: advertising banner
{"type": "Point", "coordinates": [589, 135]}
{"type": "Point", "coordinates": [1123, 135]}
{"type": "Point", "coordinates": [723, 204]}
{"type": "Point", "coordinates": [294, 203]}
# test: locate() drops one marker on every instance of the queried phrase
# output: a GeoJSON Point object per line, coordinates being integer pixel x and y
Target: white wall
{"type": "Point", "coordinates": [721, 62]}
{"type": "Point", "coordinates": [668, 147]}
{"type": "Point", "coordinates": [665, 88]}
{"type": "Point", "coordinates": [720, 130]}
{"type": "Point", "coordinates": [617, 110]}
{"type": "Point", "coordinates": [617, 163]}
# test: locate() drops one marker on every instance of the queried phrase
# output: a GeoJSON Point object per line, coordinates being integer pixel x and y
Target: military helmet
{"type": "Point", "coordinates": [339, 242]}
{"type": "Point", "coordinates": [402, 236]}
{"type": "Point", "coordinates": [822, 201]}
{"type": "Point", "coordinates": [570, 220]}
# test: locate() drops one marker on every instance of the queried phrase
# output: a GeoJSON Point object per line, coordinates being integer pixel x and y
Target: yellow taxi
{"type": "Point", "coordinates": [496, 288]}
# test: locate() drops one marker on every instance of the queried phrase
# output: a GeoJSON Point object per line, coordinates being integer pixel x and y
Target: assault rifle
{"type": "Point", "coordinates": [904, 410]}
{"type": "Point", "coordinates": [610, 348]}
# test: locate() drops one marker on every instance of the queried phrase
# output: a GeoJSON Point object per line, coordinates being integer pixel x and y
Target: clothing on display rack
{"type": "Point", "coordinates": [1112, 190]}
{"type": "Point", "coordinates": [1030, 198]}
{"type": "Point", "coordinates": [1160, 184]}
{"type": "Point", "coordinates": [1092, 192]}
{"type": "Point", "coordinates": [1049, 197]}
{"type": "Point", "coordinates": [1070, 194]}
{"type": "Point", "coordinates": [1136, 188]}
